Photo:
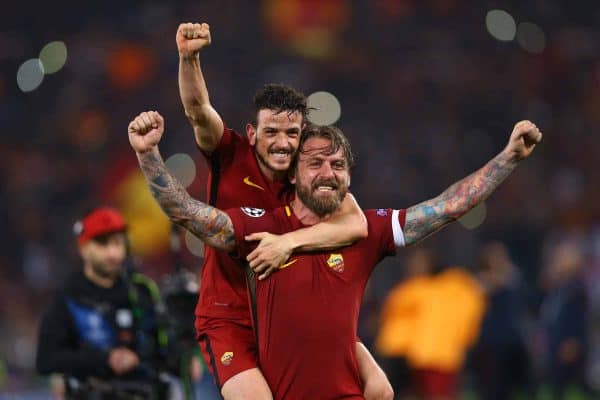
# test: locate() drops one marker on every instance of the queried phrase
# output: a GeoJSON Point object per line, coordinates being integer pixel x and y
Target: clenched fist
{"type": "Point", "coordinates": [523, 139]}
{"type": "Point", "coordinates": [191, 38]}
{"type": "Point", "coordinates": [145, 131]}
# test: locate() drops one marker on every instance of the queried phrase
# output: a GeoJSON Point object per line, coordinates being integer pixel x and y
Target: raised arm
{"type": "Point", "coordinates": [344, 227]}
{"type": "Point", "coordinates": [211, 225]}
{"type": "Point", "coordinates": [206, 122]}
{"type": "Point", "coordinates": [429, 216]}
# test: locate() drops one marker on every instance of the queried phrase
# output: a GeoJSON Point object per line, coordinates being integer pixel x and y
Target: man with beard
{"type": "Point", "coordinates": [252, 171]}
{"type": "Point", "coordinates": [306, 315]}
{"type": "Point", "coordinates": [101, 329]}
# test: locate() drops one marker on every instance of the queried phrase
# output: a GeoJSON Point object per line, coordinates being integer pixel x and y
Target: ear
{"type": "Point", "coordinates": [251, 133]}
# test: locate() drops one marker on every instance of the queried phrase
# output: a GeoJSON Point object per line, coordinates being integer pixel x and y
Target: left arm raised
{"type": "Point", "coordinates": [430, 216]}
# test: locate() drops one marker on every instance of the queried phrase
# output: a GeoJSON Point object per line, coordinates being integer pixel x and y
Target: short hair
{"type": "Point", "coordinates": [280, 97]}
{"type": "Point", "coordinates": [336, 138]}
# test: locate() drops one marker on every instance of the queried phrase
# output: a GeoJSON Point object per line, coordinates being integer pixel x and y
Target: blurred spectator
{"type": "Point", "coordinates": [564, 315]}
{"type": "Point", "coordinates": [431, 320]}
{"type": "Point", "coordinates": [500, 359]}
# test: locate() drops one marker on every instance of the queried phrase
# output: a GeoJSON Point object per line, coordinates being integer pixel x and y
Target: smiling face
{"type": "Point", "coordinates": [275, 139]}
{"type": "Point", "coordinates": [322, 177]}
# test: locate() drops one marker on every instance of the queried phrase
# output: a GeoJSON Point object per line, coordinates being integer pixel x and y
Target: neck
{"type": "Point", "coordinates": [305, 214]}
{"type": "Point", "coordinates": [270, 174]}
{"type": "Point", "coordinates": [102, 281]}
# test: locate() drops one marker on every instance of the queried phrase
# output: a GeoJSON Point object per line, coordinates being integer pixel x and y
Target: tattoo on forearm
{"type": "Point", "coordinates": [208, 223]}
{"type": "Point", "coordinates": [429, 216]}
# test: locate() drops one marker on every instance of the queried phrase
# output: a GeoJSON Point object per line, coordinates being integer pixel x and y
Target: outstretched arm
{"type": "Point", "coordinates": [206, 122]}
{"type": "Point", "coordinates": [345, 226]}
{"type": "Point", "coordinates": [429, 216]}
{"type": "Point", "coordinates": [210, 224]}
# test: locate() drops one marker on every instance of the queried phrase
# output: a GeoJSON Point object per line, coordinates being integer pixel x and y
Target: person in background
{"type": "Point", "coordinates": [564, 314]}
{"type": "Point", "coordinates": [500, 360]}
{"type": "Point", "coordinates": [101, 330]}
{"type": "Point", "coordinates": [431, 320]}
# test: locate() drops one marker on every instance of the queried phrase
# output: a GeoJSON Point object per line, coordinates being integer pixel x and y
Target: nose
{"type": "Point", "coordinates": [281, 141]}
{"type": "Point", "coordinates": [326, 170]}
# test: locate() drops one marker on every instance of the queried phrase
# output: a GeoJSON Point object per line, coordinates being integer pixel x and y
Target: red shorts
{"type": "Point", "coordinates": [228, 348]}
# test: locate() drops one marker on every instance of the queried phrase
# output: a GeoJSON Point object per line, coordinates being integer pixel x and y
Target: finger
{"type": "Point", "coordinates": [260, 268]}
{"type": "Point", "coordinates": [255, 236]}
{"type": "Point", "coordinates": [266, 273]}
{"type": "Point", "coordinates": [255, 262]}
{"type": "Point", "coordinates": [147, 120]}
{"type": "Point", "coordinates": [253, 254]}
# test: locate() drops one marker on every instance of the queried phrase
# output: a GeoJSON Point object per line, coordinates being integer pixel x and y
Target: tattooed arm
{"type": "Point", "coordinates": [210, 224]}
{"type": "Point", "coordinates": [430, 216]}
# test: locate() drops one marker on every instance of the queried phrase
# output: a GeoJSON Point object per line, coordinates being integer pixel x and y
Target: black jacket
{"type": "Point", "coordinates": [85, 321]}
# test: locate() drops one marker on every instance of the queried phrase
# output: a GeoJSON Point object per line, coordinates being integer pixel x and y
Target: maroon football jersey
{"type": "Point", "coordinates": [235, 180]}
{"type": "Point", "coordinates": [306, 314]}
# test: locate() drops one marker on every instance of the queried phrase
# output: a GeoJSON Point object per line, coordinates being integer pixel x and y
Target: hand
{"type": "Point", "coordinates": [191, 38]}
{"type": "Point", "coordinates": [145, 131]}
{"type": "Point", "coordinates": [122, 360]}
{"type": "Point", "coordinates": [523, 139]}
{"type": "Point", "coordinates": [270, 254]}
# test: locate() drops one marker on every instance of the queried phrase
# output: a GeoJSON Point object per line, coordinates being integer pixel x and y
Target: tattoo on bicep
{"type": "Point", "coordinates": [208, 223]}
{"type": "Point", "coordinates": [429, 216]}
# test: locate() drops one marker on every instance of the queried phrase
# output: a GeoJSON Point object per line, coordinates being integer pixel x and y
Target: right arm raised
{"type": "Point", "coordinates": [206, 122]}
{"type": "Point", "coordinates": [211, 225]}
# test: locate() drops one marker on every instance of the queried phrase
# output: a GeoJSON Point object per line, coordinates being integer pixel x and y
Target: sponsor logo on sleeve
{"type": "Point", "coordinates": [253, 212]}
{"type": "Point", "coordinates": [336, 262]}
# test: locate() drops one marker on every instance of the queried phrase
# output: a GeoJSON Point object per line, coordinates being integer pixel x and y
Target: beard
{"type": "Point", "coordinates": [104, 271]}
{"type": "Point", "coordinates": [321, 205]}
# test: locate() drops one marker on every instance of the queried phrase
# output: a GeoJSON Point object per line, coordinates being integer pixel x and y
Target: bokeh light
{"type": "Point", "coordinates": [325, 108]}
{"type": "Point", "coordinates": [194, 245]}
{"type": "Point", "coordinates": [501, 25]}
{"type": "Point", "coordinates": [531, 37]}
{"type": "Point", "coordinates": [30, 75]}
{"type": "Point", "coordinates": [53, 56]}
{"type": "Point", "coordinates": [182, 167]}
{"type": "Point", "coordinates": [475, 217]}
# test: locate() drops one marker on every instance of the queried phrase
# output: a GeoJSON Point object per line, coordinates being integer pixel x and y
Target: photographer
{"type": "Point", "coordinates": [101, 330]}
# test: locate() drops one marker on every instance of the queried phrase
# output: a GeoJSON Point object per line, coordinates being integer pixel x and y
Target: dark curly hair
{"type": "Point", "coordinates": [335, 136]}
{"type": "Point", "coordinates": [281, 98]}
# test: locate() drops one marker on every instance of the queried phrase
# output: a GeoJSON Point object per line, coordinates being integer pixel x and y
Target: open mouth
{"type": "Point", "coordinates": [282, 155]}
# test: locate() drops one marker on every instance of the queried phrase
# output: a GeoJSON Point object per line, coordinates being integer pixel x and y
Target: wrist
{"type": "Point", "coordinates": [293, 242]}
{"type": "Point", "coordinates": [189, 57]}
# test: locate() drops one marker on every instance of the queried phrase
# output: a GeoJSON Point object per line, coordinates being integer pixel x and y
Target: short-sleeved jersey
{"type": "Point", "coordinates": [306, 314]}
{"type": "Point", "coordinates": [235, 180]}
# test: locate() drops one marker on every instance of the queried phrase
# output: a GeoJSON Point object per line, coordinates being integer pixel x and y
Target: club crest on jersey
{"type": "Point", "coordinates": [253, 212]}
{"type": "Point", "coordinates": [227, 357]}
{"type": "Point", "coordinates": [336, 262]}
{"type": "Point", "coordinates": [382, 212]}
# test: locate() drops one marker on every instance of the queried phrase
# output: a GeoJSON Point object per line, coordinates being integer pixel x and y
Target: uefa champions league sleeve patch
{"type": "Point", "coordinates": [253, 212]}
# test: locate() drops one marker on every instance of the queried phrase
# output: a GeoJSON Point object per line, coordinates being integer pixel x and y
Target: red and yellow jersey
{"type": "Point", "coordinates": [235, 180]}
{"type": "Point", "coordinates": [306, 314]}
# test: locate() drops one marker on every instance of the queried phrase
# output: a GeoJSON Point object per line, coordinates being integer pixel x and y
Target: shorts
{"type": "Point", "coordinates": [228, 348]}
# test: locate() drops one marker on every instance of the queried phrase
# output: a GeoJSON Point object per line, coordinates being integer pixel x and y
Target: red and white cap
{"type": "Point", "coordinates": [98, 222]}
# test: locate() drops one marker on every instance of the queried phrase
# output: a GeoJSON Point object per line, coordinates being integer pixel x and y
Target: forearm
{"type": "Point", "coordinates": [211, 225]}
{"type": "Point", "coordinates": [428, 217]}
{"type": "Point", "coordinates": [341, 229]}
{"type": "Point", "coordinates": [206, 122]}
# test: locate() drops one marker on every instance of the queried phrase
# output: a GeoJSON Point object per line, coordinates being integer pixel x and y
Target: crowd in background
{"type": "Point", "coordinates": [427, 96]}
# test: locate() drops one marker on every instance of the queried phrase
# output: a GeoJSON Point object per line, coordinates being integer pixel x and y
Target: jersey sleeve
{"type": "Point", "coordinates": [386, 229]}
{"type": "Point", "coordinates": [247, 220]}
{"type": "Point", "coordinates": [230, 143]}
